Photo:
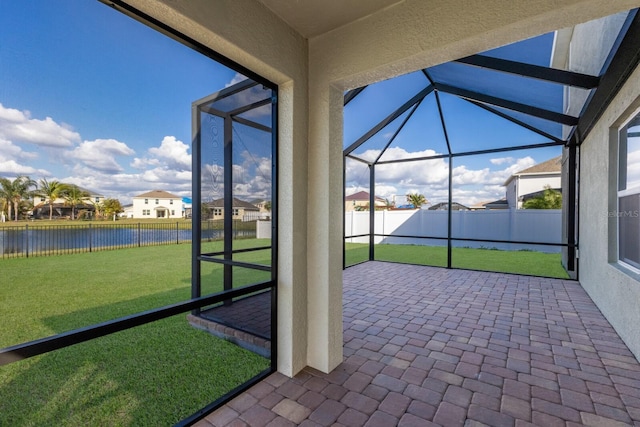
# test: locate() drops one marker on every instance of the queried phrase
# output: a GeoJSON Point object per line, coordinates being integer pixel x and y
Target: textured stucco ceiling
{"type": "Point", "coordinates": [311, 18]}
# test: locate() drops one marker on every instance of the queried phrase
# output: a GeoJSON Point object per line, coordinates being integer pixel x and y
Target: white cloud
{"type": "Point", "coordinates": [18, 126]}
{"type": "Point", "coordinates": [12, 168]}
{"type": "Point", "coordinates": [633, 168]}
{"type": "Point", "coordinates": [502, 160]}
{"type": "Point", "coordinates": [101, 154]}
{"type": "Point", "coordinates": [174, 152]}
{"type": "Point", "coordinates": [124, 186]}
{"type": "Point", "coordinates": [12, 157]}
{"type": "Point", "coordinates": [430, 177]}
{"type": "Point", "coordinates": [144, 163]}
{"type": "Point", "coordinates": [10, 151]}
{"type": "Point", "coordinates": [236, 79]}
{"type": "Point", "coordinates": [166, 176]}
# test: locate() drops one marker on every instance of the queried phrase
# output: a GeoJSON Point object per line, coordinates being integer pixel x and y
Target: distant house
{"type": "Point", "coordinates": [60, 207]}
{"type": "Point", "coordinates": [186, 207]}
{"type": "Point", "coordinates": [240, 209]}
{"type": "Point", "coordinates": [361, 200]}
{"type": "Point", "coordinates": [533, 180]}
{"type": "Point", "coordinates": [157, 204]}
{"type": "Point", "coordinates": [443, 206]}
{"type": "Point", "coordinates": [497, 204]}
{"type": "Point", "coordinates": [127, 211]}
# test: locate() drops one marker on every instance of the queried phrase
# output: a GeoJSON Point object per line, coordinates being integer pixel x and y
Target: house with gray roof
{"type": "Point", "coordinates": [531, 181]}
{"type": "Point", "coordinates": [240, 209]}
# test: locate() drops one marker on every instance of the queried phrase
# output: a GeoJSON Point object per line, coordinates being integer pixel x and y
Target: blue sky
{"type": "Point", "coordinates": [469, 128]}
{"type": "Point", "coordinates": [92, 97]}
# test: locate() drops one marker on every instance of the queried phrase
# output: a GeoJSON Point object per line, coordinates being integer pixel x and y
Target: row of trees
{"type": "Point", "coordinates": [17, 197]}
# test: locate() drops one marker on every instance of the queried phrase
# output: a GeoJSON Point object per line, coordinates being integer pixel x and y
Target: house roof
{"type": "Point", "coordinates": [497, 204]}
{"type": "Point", "coordinates": [549, 167]}
{"type": "Point", "coordinates": [455, 206]}
{"type": "Point", "coordinates": [90, 192]}
{"type": "Point", "coordinates": [157, 194]}
{"type": "Point", "coordinates": [237, 203]}
{"type": "Point", "coordinates": [361, 195]}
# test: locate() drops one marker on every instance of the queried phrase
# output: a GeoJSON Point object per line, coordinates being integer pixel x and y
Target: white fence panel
{"type": "Point", "coordinates": [355, 224]}
{"type": "Point", "coordinates": [526, 225]}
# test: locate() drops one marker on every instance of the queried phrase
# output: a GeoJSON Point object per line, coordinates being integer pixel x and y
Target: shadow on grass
{"type": "Point", "coordinates": [515, 261]}
{"type": "Point", "coordinates": [155, 374]}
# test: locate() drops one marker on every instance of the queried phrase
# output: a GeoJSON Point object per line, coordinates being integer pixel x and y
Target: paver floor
{"type": "Point", "coordinates": [427, 346]}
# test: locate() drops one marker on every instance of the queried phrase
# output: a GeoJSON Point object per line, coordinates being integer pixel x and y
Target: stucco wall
{"type": "Point", "coordinates": [615, 291]}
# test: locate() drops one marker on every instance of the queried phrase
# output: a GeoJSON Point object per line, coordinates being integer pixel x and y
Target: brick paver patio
{"type": "Point", "coordinates": [427, 346]}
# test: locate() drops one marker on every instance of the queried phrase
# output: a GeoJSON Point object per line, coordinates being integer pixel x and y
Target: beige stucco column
{"type": "Point", "coordinates": [325, 233]}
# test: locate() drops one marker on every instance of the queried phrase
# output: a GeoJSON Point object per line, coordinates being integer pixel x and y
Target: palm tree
{"type": "Point", "coordinates": [51, 190]}
{"type": "Point", "coordinates": [13, 192]}
{"type": "Point", "coordinates": [416, 200]}
{"type": "Point", "coordinates": [73, 197]}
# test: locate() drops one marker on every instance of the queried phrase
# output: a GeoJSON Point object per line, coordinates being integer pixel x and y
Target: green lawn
{"type": "Point", "coordinates": [162, 372]}
{"type": "Point", "coordinates": [518, 262]}
{"type": "Point", "coordinates": [153, 375]}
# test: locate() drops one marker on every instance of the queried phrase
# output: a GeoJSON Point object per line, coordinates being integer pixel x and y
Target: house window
{"type": "Point", "coordinates": [97, 199]}
{"type": "Point", "coordinates": [157, 201]}
{"type": "Point", "coordinates": [217, 211]}
{"type": "Point", "coordinates": [170, 202]}
{"type": "Point", "coordinates": [173, 212]}
{"type": "Point", "coordinates": [146, 201]}
{"type": "Point", "coordinates": [42, 199]}
{"type": "Point", "coordinates": [236, 212]}
{"type": "Point", "coordinates": [629, 194]}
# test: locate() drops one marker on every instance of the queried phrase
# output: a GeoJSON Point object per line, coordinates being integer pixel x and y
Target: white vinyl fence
{"type": "Point", "coordinates": [525, 225]}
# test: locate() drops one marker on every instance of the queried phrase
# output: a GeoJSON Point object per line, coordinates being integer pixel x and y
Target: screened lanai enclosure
{"type": "Point", "coordinates": [234, 154]}
{"type": "Point", "coordinates": [479, 137]}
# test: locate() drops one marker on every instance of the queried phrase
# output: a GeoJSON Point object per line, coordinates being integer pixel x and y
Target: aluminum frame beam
{"type": "Point", "coordinates": [538, 72]}
{"type": "Point", "coordinates": [391, 117]}
{"type": "Point", "coordinates": [510, 105]}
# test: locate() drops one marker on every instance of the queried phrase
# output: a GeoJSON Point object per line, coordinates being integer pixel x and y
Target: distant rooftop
{"type": "Point", "coordinates": [158, 194]}
{"type": "Point", "coordinates": [360, 195]}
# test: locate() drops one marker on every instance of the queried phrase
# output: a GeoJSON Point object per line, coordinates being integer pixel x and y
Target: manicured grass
{"type": "Point", "coordinates": [517, 262]}
{"type": "Point", "coordinates": [152, 375]}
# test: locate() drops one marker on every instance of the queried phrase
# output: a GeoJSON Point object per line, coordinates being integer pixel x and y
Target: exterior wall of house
{"type": "Point", "coordinates": [531, 184]}
{"type": "Point", "coordinates": [217, 213]}
{"type": "Point", "coordinates": [526, 184]}
{"type": "Point", "coordinates": [149, 210]}
{"type": "Point", "coordinates": [312, 76]}
{"type": "Point", "coordinates": [512, 192]}
{"type": "Point", "coordinates": [614, 289]}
